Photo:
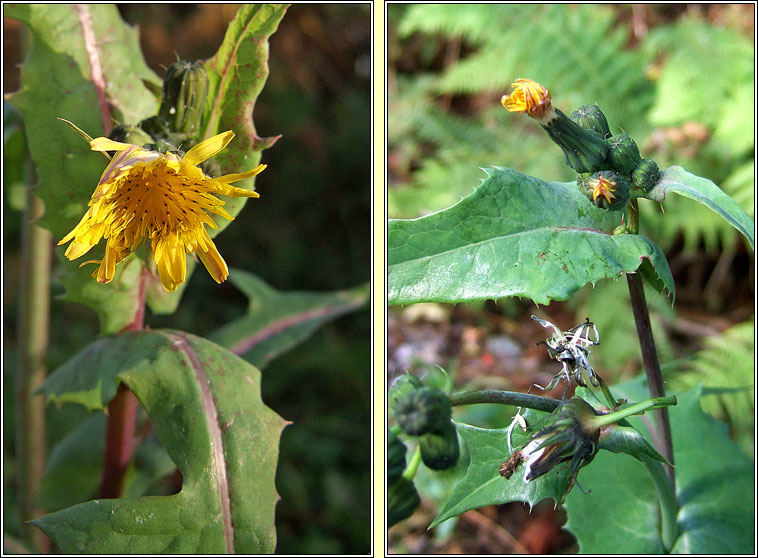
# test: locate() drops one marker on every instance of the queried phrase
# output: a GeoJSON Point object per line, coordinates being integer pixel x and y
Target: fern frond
{"type": "Point", "coordinates": [727, 362]}
{"type": "Point", "coordinates": [707, 77]}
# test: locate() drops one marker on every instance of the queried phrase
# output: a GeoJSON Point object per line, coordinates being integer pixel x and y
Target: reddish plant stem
{"type": "Point", "coordinates": [122, 419]}
{"type": "Point", "coordinates": [662, 430]}
{"type": "Point", "coordinates": [662, 434]}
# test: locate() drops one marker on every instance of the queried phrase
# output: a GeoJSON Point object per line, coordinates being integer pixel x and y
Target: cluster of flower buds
{"type": "Point", "coordinates": [426, 412]}
{"type": "Point", "coordinates": [179, 118]}
{"type": "Point", "coordinates": [609, 168]}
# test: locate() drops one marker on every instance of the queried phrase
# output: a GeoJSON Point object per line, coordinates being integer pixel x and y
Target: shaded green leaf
{"type": "Point", "coordinates": [514, 236]}
{"type": "Point", "coordinates": [86, 66]}
{"type": "Point", "coordinates": [115, 303]}
{"type": "Point", "coordinates": [236, 76]}
{"type": "Point", "coordinates": [714, 481]}
{"type": "Point", "coordinates": [277, 320]}
{"type": "Point", "coordinates": [74, 468]}
{"type": "Point", "coordinates": [205, 406]}
{"type": "Point", "coordinates": [702, 190]}
{"type": "Point", "coordinates": [483, 486]}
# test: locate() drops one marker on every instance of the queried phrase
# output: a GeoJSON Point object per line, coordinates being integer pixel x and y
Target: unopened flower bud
{"type": "Point", "coordinates": [645, 174]}
{"type": "Point", "coordinates": [185, 87]}
{"type": "Point", "coordinates": [423, 410]}
{"type": "Point", "coordinates": [402, 500]}
{"type": "Point", "coordinates": [623, 155]}
{"type": "Point", "coordinates": [440, 449]}
{"type": "Point", "coordinates": [590, 117]}
{"type": "Point", "coordinates": [401, 386]}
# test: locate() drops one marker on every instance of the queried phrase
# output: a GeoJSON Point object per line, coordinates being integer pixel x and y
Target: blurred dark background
{"type": "Point", "coordinates": [308, 231]}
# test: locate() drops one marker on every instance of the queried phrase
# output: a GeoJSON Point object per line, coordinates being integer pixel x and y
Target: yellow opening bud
{"type": "Point", "coordinates": [530, 97]}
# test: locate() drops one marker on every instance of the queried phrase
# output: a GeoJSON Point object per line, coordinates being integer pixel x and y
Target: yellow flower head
{"type": "Point", "coordinates": [160, 196]}
{"type": "Point", "coordinates": [603, 187]}
{"type": "Point", "coordinates": [529, 97]}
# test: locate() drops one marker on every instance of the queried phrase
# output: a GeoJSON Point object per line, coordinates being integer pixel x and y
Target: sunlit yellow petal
{"type": "Point", "coordinates": [162, 197]}
{"type": "Point", "coordinates": [530, 97]}
{"type": "Point", "coordinates": [208, 148]}
{"type": "Point", "coordinates": [105, 144]}
{"type": "Point", "coordinates": [229, 178]}
{"type": "Point", "coordinates": [214, 263]}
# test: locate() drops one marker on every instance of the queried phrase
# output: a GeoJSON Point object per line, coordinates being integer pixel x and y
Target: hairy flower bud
{"type": "Point", "coordinates": [423, 410]}
{"type": "Point", "coordinates": [401, 386]}
{"type": "Point", "coordinates": [645, 174]}
{"type": "Point", "coordinates": [607, 190]}
{"type": "Point", "coordinates": [440, 449]}
{"type": "Point", "coordinates": [590, 117]}
{"type": "Point", "coordinates": [185, 88]}
{"type": "Point", "coordinates": [623, 155]}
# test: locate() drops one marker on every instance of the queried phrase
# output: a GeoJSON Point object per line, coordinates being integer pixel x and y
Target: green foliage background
{"type": "Point", "coordinates": [312, 233]}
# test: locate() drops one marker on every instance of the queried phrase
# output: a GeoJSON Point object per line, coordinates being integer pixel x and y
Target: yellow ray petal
{"type": "Point", "coordinates": [208, 148]}
{"type": "Point", "coordinates": [229, 178]}
{"type": "Point", "coordinates": [213, 262]}
{"type": "Point", "coordinates": [105, 144]}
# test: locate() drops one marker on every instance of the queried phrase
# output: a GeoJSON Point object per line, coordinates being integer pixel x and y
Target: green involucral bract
{"type": "Point", "coordinates": [584, 150]}
{"type": "Point", "coordinates": [423, 410]}
{"type": "Point", "coordinates": [440, 449]}
{"type": "Point", "coordinates": [645, 174]}
{"type": "Point", "coordinates": [402, 500]}
{"type": "Point", "coordinates": [591, 117]}
{"type": "Point", "coordinates": [401, 386]}
{"type": "Point", "coordinates": [623, 154]}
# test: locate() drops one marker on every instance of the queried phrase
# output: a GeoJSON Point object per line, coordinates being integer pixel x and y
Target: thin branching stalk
{"type": "Point", "coordinates": [662, 434]}
{"type": "Point", "coordinates": [122, 419]}
{"type": "Point", "coordinates": [505, 398]}
{"type": "Point", "coordinates": [34, 321]}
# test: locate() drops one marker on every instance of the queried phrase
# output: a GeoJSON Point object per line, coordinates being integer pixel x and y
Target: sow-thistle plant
{"type": "Point", "coordinates": [545, 241]}
{"type": "Point", "coordinates": [163, 197]}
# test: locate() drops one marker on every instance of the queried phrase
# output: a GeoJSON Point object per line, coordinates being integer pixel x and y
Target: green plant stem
{"type": "Point", "coordinates": [505, 398]}
{"type": "Point", "coordinates": [634, 409]}
{"type": "Point", "coordinates": [662, 435]}
{"type": "Point", "coordinates": [34, 321]}
{"type": "Point", "coordinates": [122, 419]}
{"type": "Point", "coordinates": [410, 470]}
{"type": "Point", "coordinates": [666, 501]}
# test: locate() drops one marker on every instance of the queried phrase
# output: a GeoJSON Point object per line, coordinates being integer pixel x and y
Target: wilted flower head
{"type": "Point", "coordinates": [529, 97]}
{"type": "Point", "coordinates": [570, 436]}
{"type": "Point", "coordinates": [160, 196]}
